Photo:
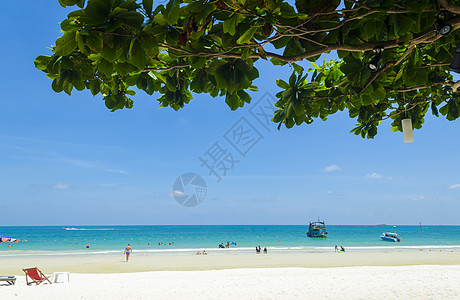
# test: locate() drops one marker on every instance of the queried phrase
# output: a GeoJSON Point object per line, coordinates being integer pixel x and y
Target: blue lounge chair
{"type": "Point", "coordinates": [10, 280]}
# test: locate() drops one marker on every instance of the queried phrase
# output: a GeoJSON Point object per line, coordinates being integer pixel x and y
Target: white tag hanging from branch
{"type": "Point", "coordinates": [407, 126]}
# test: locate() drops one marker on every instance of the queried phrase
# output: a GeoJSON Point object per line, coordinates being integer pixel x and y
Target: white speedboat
{"type": "Point", "coordinates": [390, 237]}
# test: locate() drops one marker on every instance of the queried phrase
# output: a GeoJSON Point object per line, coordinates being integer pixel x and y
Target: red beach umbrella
{"type": "Point", "coordinates": [5, 239]}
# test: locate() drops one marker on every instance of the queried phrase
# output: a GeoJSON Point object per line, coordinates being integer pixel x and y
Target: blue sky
{"type": "Point", "coordinates": [70, 161]}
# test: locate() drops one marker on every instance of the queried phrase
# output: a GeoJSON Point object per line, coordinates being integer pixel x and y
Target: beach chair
{"type": "Point", "coordinates": [36, 276]}
{"type": "Point", "coordinates": [10, 280]}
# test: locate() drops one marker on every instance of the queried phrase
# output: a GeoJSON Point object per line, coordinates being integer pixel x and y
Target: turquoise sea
{"type": "Point", "coordinates": [178, 239]}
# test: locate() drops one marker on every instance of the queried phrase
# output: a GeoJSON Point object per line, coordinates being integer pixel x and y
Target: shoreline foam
{"type": "Point", "coordinates": [234, 250]}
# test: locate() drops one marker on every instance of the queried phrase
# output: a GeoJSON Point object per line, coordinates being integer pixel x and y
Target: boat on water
{"type": "Point", "coordinates": [390, 237]}
{"type": "Point", "coordinates": [317, 230]}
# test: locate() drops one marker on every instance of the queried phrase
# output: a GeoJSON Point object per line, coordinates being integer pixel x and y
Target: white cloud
{"type": "Point", "coordinates": [418, 198]}
{"type": "Point", "coordinates": [329, 192]}
{"type": "Point", "coordinates": [61, 186]}
{"type": "Point", "coordinates": [116, 171]}
{"type": "Point", "coordinates": [374, 175]}
{"type": "Point", "coordinates": [332, 168]}
{"type": "Point", "coordinates": [78, 162]}
{"type": "Point", "coordinates": [454, 186]}
{"type": "Point", "coordinates": [177, 193]}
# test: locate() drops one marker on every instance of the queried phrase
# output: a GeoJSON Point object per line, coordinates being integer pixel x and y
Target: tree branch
{"type": "Point", "coordinates": [453, 85]}
{"type": "Point", "coordinates": [166, 68]}
{"type": "Point", "coordinates": [412, 88]}
{"type": "Point", "coordinates": [389, 64]}
{"type": "Point", "coordinates": [450, 7]}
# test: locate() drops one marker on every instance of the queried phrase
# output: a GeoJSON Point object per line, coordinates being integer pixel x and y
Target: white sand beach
{"type": "Point", "coordinates": [377, 275]}
{"type": "Point", "coordinates": [395, 282]}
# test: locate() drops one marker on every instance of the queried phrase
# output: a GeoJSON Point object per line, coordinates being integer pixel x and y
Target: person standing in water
{"type": "Point", "coordinates": [128, 251]}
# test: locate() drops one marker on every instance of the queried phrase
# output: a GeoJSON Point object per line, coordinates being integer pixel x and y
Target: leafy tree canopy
{"type": "Point", "coordinates": [185, 46]}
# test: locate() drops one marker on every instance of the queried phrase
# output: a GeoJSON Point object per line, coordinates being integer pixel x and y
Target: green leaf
{"type": "Point", "coordinates": [281, 42]}
{"type": "Point", "coordinates": [94, 41]}
{"type": "Point", "coordinates": [277, 62]}
{"type": "Point", "coordinates": [292, 79]}
{"type": "Point", "coordinates": [379, 94]}
{"type": "Point", "coordinates": [198, 84]}
{"type": "Point", "coordinates": [297, 68]}
{"type": "Point", "coordinates": [282, 84]}
{"type": "Point", "coordinates": [444, 110]}
{"type": "Point", "coordinates": [108, 53]}
{"type": "Point", "coordinates": [434, 109]}
{"type": "Point", "coordinates": [298, 109]}
{"type": "Point", "coordinates": [130, 92]}
{"type": "Point", "coordinates": [148, 5]}
{"type": "Point", "coordinates": [197, 62]}
{"type": "Point", "coordinates": [369, 30]}
{"type": "Point", "coordinates": [229, 25]}
{"type": "Point", "coordinates": [172, 12]}
{"type": "Point", "coordinates": [215, 38]}
{"type": "Point", "coordinates": [160, 20]}
{"type": "Point", "coordinates": [452, 110]}
{"type": "Point", "coordinates": [68, 88]}
{"type": "Point", "coordinates": [41, 62]}
{"type": "Point", "coordinates": [233, 101]}
{"type": "Point", "coordinates": [97, 11]}
{"type": "Point", "coordinates": [65, 3]}
{"type": "Point", "coordinates": [109, 102]}
{"type": "Point", "coordinates": [368, 91]}
{"type": "Point", "coordinates": [81, 42]}
{"type": "Point", "coordinates": [117, 11]}
{"type": "Point", "coordinates": [149, 42]}
{"type": "Point", "coordinates": [247, 35]}
{"type": "Point", "coordinates": [81, 3]}
{"type": "Point", "coordinates": [69, 25]}
{"type": "Point", "coordinates": [131, 18]}
{"type": "Point", "coordinates": [350, 68]}
{"type": "Point", "coordinates": [125, 68]}
{"type": "Point", "coordinates": [208, 8]}
{"type": "Point", "coordinates": [244, 96]}
{"type": "Point", "coordinates": [65, 44]}
{"type": "Point", "coordinates": [137, 54]}
{"type": "Point", "coordinates": [95, 86]}
{"type": "Point", "coordinates": [77, 13]}
{"type": "Point", "coordinates": [157, 76]}
{"type": "Point", "coordinates": [414, 6]}
{"type": "Point", "coordinates": [105, 67]}
{"type": "Point", "coordinates": [374, 3]}
{"type": "Point", "coordinates": [57, 85]}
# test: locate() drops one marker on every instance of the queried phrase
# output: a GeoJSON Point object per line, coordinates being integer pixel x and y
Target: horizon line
{"type": "Point", "coordinates": [306, 224]}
